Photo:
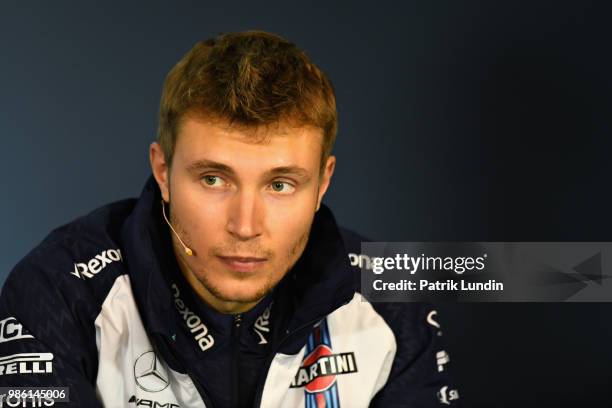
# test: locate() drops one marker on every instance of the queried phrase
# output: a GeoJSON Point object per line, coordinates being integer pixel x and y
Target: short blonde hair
{"type": "Point", "coordinates": [249, 79]}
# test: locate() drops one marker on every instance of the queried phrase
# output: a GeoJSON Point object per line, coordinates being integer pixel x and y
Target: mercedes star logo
{"type": "Point", "coordinates": [150, 375]}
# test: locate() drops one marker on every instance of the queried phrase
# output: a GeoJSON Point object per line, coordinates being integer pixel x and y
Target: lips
{"type": "Point", "coordinates": [242, 263]}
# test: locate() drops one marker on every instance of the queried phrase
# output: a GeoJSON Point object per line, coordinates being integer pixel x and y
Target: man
{"type": "Point", "coordinates": [227, 283]}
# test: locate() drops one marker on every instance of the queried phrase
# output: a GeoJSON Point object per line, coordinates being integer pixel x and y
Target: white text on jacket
{"type": "Point", "coordinates": [96, 264]}
{"type": "Point", "coordinates": [204, 339]}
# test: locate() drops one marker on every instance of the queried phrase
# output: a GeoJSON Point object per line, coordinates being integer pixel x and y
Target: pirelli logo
{"type": "Point", "coordinates": [26, 363]}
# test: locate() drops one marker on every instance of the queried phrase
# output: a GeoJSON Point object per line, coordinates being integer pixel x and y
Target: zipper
{"type": "Point", "coordinates": [199, 389]}
{"type": "Point", "coordinates": [198, 386]}
{"type": "Point", "coordinates": [262, 380]}
{"type": "Point", "coordinates": [260, 387]}
{"type": "Point", "coordinates": [236, 359]}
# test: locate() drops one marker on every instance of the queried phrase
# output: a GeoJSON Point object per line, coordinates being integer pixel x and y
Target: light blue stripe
{"type": "Point", "coordinates": [325, 336]}
{"type": "Point", "coordinates": [334, 390]}
{"type": "Point", "coordinates": [328, 400]}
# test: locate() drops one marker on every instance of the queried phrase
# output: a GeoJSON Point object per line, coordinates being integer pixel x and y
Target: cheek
{"type": "Point", "coordinates": [288, 223]}
{"type": "Point", "coordinates": [208, 227]}
{"type": "Point", "coordinates": [201, 218]}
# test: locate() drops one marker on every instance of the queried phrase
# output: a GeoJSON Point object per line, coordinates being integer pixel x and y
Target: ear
{"type": "Point", "coordinates": [160, 169]}
{"type": "Point", "coordinates": [328, 171]}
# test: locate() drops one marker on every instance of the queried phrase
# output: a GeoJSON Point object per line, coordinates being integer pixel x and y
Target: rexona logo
{"type": "Point", "coordinates": [141, 402]}
{"type": "Point", "coordinates": [360, 260]}
{"type": "Point", "coordinates": [26, 363]}
{"type": "Point", "coordinates": [204, 339]}
{"type": "Point", "coordinates": [319, 369]}
{"type": "Point", "coordinates": [11, 329]}
{"type": "Point", "coordinates": [96, 264]}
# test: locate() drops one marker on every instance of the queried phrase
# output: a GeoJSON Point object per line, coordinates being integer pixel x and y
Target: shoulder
{"type": "Point", "coordinates": [50, 301]}
{"type": "Point", "coordinates": [407, 320]}
{"type": "Point", "coordinates": [74, 265]}
{"type": "Point", "coordinates": [419, 354]}
{"type": "Point", "coordinates": [352, 243]}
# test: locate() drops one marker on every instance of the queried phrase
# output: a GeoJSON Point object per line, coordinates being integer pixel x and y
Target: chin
{"type": "Point", "coordinates": [240, 291]}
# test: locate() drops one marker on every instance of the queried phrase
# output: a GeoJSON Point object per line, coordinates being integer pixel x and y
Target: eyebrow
{"type": "Point", "coordinates": [294, 171]}
{"type": "Point", "coordinates": [205, 164]}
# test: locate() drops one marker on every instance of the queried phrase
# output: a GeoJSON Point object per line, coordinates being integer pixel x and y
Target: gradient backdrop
{"type": "Point", "coordinates": [459, 120]}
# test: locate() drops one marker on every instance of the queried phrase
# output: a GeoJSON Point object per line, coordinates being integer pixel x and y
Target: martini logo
{"type": "Point", "coordinates": [320, 368]}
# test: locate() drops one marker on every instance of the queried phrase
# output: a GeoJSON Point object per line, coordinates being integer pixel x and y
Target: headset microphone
{"type": "Point", "coordinates": [188, 250]}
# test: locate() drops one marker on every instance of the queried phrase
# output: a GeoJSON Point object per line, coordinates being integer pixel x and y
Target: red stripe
{"type": "Point", "coordinates": [320, 400]}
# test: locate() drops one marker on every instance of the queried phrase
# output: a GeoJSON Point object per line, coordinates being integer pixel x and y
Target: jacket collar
{"type": "Point", "coordinates": [320, 281]}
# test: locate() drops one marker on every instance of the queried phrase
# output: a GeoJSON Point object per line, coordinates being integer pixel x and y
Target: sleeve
{"type": "Point", "coordinates": [419, 375]}
{"type": "Point", "coordinates": [44, 338]}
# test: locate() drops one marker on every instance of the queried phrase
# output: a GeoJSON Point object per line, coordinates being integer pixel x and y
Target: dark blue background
{"type": "Point", "coordinates": [459, 120]}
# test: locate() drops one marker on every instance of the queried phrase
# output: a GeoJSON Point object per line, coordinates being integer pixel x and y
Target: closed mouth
{"type": "Point", "coordinates": [243, 264]}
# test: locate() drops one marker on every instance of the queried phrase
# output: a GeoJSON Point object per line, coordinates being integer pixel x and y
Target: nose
{"type": "Point", "coordinates": [245, 220]}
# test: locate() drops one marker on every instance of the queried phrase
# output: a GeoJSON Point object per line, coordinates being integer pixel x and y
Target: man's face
{"type": "Point", "coordinates": [245, 208]}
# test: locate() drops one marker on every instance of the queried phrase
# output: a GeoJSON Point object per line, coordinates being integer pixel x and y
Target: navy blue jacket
{"type": "Point", "coordinates": [101, 307]}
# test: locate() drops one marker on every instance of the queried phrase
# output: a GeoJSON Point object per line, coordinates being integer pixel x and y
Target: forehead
{"type": "Point", "coordinates": [250, 148]}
